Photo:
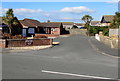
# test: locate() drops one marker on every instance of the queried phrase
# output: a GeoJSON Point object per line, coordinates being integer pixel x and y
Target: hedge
{"type": "Point", "coordinates": [96, 29]}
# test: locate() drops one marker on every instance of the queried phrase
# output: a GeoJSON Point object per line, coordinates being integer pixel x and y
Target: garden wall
{"type": "Point", "coordinates": [25, 42]}
{"type": "Point", "coordinates": [113, 42]}
{"type": "Point", "coordinates": [28, 42]}
{"type": "Point", "coordinates": [114, 32]}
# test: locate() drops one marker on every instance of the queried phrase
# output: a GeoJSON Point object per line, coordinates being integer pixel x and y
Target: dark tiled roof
{"type": "Point", "coordinates": [108, 18]}
{"type": "Point", "coordinates": [55, 24]}
{"type": "Point", "coordinates": [68, 23]}
{"type": "Point", "coordinates": [64, 23]}
{"type": "Point", "coordinates": [95, 22]}
{"type": "Point", "coordinates": [24, 23]}
{"type": "Point", "coordinates": [30, 22]}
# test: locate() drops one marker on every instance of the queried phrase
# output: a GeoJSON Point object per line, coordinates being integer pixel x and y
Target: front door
{"type": "Point", "coordinates": [24, 32]}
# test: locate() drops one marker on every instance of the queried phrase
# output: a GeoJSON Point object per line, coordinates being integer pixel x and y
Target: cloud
{"type": "Point", "coordinates": [77, 10]}
{"type": "Point", "coordinates": [66, 18]}
{"type": "Point", "coordinates": [46, 14]}
{"type": "Point", "coordinates": [69, 18]}
{"type": "Point", "coordinates": [113, 1]}
{"type": "Point", "coordinates": [23, 11]}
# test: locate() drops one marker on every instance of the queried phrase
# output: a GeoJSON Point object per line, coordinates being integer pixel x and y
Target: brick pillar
{"type": "Point", "coordinates": [51, 41]}
{"type": "Point", "coordinates": [2, 43]}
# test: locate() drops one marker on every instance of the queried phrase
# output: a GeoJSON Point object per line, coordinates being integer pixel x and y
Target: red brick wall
{"type": "Point", "coordinates": [56, 31]}
{"type": "Point", "coordinates": [2, 43]}
{"type": "Point", "coordinates": [28, 42]}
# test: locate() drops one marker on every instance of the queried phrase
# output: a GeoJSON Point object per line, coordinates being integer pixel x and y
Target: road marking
{"type": "Point", "coordinates": [78, 75]}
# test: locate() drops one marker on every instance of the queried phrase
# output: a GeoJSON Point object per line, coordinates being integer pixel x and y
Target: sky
{"type": "Point", "coordinates": [60, 11]}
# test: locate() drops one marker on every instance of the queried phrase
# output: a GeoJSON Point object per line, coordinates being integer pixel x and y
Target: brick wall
{"type": "Point", "coordinates": [56, 31]}
{"type": "Point", "coordinates": [28, 42]}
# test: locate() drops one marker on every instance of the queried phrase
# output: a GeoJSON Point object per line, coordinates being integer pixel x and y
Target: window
{"type": "Point", "coordinates": [31, 30]}
{"type": "Point", "coordinates": [53, 29]}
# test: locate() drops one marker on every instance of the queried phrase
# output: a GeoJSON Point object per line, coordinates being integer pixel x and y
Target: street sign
{"type": "Point", "coordinates": [29, 42]}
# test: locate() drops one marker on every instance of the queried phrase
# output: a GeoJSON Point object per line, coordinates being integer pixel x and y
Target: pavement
{"type": "Point", "coordinates": [104, 48]}
{"type": "Point", "coordinates": [73, 58]}
{"type": "Point", "coordinates": [30, 47]}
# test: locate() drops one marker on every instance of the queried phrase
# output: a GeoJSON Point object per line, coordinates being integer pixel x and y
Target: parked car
{"type": "Point", "coordinates": [82, 27]}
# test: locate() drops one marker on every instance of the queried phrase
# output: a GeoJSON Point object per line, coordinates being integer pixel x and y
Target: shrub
{"type": "Point", "coordinates": [18, 37]}
{"type": "Point", "coordinates": [9, 36]}
{"type": "Point", "coordinates": [96, 29]}
{"type": "Point", "coordinates": [106, 32]}
{"type": "Point", "coordinates": [40, 36]}
{"type": "Point", "coordinates": [6, 36]}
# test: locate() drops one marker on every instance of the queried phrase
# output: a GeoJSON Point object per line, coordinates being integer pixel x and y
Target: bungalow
{"type": "Point", "coordinates": [32, 27]}
{"type": "Point", "coordinates": [29, 26]}
{"type": "Point", "coordinates": [51, 28]}
{"type": "Point", "coordinates": [68, 25]}
{"type": "Point", "coordinates": [79, 25]}
{"type": "Point", "coordinates": [95, 23]}
{"type": "Point", "coordinates": [106, 20]}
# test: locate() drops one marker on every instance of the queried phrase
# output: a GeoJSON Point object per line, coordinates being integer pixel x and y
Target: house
{"type": "Point", "coordinates": [67, 25]}
{"type": "Point", "coordinates": [95, 23]}
{"type": "Point", "coordinates": [79, 25]}
{"type": "Point", "coordinates": [106, 20]}
{"type": "Point", "coordinates": [55, 28]}
{"type": "Point", "coordinates": [29, 26]}
{"type": "Point", "coordinates": [32, 27]}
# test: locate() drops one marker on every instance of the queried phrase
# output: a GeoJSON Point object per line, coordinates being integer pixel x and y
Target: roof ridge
{"type": "Point", "coordinates": [108, 15]}
{"type": "Point", "coordinates": [31, 19]}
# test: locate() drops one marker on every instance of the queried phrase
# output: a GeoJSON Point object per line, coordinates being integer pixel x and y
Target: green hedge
{"type": "Point", "coordinates": [96, 29]}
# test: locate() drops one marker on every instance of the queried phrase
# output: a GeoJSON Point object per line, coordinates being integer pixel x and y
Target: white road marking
{"type": "Point", "coordinates": [71, 74]}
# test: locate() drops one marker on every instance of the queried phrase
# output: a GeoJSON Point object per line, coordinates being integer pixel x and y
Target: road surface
{"type": "Point", "coordinates": [74, 58]}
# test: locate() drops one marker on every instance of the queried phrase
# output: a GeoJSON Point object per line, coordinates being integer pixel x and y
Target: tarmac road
{"type": "Point", "coordinates": [74, 58]}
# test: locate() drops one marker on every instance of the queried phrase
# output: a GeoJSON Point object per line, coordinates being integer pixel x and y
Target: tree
{"type": "Point", "coordinates": [48, 21]}
{"type": "Point", "coordinates": [116, 21]}
{"type": "Point", "coordinates": [10, 20]}
{"type": "Point", "coordinates": [87, 19]}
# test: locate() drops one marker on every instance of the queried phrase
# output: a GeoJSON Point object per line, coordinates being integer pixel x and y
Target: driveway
{"type": "Point", "coordinates": [74, 58]}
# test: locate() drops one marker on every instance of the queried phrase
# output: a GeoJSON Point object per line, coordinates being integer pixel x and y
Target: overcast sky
{"type": "Point", "coordinates": [61, 11]}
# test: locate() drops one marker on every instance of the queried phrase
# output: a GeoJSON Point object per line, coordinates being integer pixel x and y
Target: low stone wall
{"type": "Point", "coordinates": [114, 32]}
{"type": "Point", "coordinates": [78, 31]}
{"type": "Point", "coordinates": [28, 42]}
{"type": "Point", "coordinates": [113, 42]}
{"type": "Point", "coordinates": [2, 43]}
